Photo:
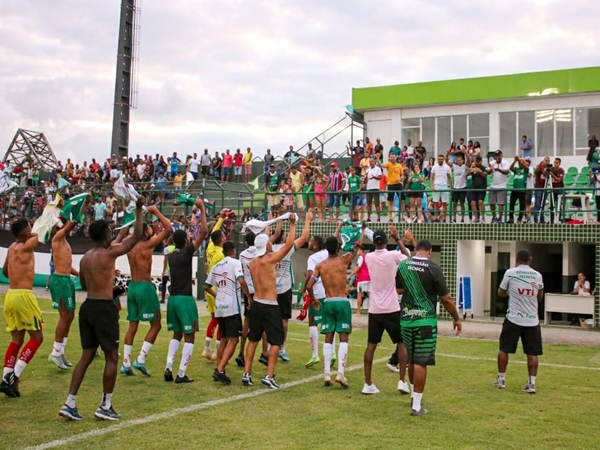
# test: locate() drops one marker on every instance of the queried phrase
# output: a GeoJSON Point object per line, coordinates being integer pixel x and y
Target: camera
{"type": "Point", "coordinates": [549, 166]}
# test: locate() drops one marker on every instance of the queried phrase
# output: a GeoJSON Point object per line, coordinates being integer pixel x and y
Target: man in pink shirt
{"type": "Point", "coordinates": [384, 308]}
{"type": "Point", "coordinates": [227, 162]}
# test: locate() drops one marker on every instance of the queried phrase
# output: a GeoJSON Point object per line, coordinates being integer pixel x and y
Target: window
{"type": "Point", "coordinates": [459, 128]}
{"type": "Point", "coordinates": [563, 122]}
{"type": "Point", "coordinates": [526, 121]}
{"type": "Point", "coordinates": [414, 134]}
{"type": "Point", "coordinates": [444, 137]}
{"type": "Point", "coordinates": [545, 132]}
{"type": "Point", "coordinates": [508, 133]}
{"type": "Point", "coordinates": [407, 123]}
{"type": "Point", "coordinates": [428, 135]}
{"type": "Point", "coordinates": [587, 124]}
{"type": "Point", "coordinates": [479, 125]}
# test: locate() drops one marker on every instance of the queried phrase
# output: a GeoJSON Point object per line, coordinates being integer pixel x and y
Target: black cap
{"type": "Point", "coordinates": [379, 237]}
{"type": "Point", "coordinates": [498, 152]}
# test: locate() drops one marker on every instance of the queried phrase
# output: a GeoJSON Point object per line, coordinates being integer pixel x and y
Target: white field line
{"type": "Point", "coordinates": [187, 409]}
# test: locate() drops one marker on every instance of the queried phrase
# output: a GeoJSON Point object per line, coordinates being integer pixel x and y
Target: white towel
{"type": "Point", "coordinates": [257, 226]}
{"type": "Point", "coordinates": [49, 219]}
{"type": "Point", "coordinates": [126, 192]}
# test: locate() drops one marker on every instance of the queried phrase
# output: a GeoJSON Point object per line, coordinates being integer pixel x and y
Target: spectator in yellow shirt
{"type": "Point", "coordinates": [395, 185]}
{"type": "Point", "coordinates": [177, 179]}
{"type": "Point", "coordinates": [248, 164]}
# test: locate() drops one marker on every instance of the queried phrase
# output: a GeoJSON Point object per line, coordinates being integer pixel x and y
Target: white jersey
{"type": "Point", "coordinates": [284, 273]}
{"type": "Point", "coordinates": [313, 260]}
{"type": "Point", "coordinates": [522, 284]}
{"type": "Point", "coordinates": [224, 278]}
{"type": "Point", "coordinates": [245, 257]}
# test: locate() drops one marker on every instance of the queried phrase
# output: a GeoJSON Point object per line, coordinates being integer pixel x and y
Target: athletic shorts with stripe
{"type": "Point", "coordinates": [182, 314]}
{"type": "Point", "coordinates": [337, 316]}
{"type": "Point", "coordinates": [420, 342]}
{"type": "Point", "coordinates": [316, 314]}
{"type": "Point", "coordinates": [22, 311]}
{"type": "Point", "coordinates": [62, 291]}
{"type": "Point", "coordinates": [142, 301]}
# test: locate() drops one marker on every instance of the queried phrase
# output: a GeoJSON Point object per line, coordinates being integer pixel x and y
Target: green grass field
{"type": "Point", "coordinates": [465, 412]}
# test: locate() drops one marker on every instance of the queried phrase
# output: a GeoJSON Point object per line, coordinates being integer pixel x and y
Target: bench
{"type": "Point", "coordinates": [569, 304]}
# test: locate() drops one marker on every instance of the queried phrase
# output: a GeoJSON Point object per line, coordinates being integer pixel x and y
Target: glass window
{"type": "Point", "coordinates": [411, 122]}
{"type": "Point", "coordinates": [479, 125]}
{"type": "Point", "coordinates": [508, 133]}
{"type": "Point", "coordinates": [414, 134]}
{"type": "Point", "coordinates": [428, 135]}
{"type": "Point", "coordinates": [545, 132]}
{"type": "Point", "coordinates": [563, 121]}
{"type": "Point", "coordinates": [526, 121]}
{"type": "Point", "coordinates": [484, 143]}
{"type": "Point", "coordinates": [581, 127]}
{"type": "Point", "coordinates": [594, 120]}
{"type": "Point", "coordinates": [459, 128]}
{"type": "Point", "coordinates": [444, 137]}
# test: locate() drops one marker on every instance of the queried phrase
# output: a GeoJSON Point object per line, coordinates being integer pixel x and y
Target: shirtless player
{"type": "Point", "coordinates": [336, 313]}
{"type": "Point", "coordinates": [266, 315]}
{"type": "Point", "coordinates": [142, 299]}
{"type": "Point", "coordinates": [98, 315]}
{"type": "Point", "coordinates": [21, 310]}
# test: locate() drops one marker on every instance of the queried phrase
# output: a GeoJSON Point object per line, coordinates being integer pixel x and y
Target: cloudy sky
{"type": "Point", "coordinates": [260, 73]}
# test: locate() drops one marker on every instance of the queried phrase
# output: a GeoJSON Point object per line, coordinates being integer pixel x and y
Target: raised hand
{"type": "Point", "coordinates": [141, 201]}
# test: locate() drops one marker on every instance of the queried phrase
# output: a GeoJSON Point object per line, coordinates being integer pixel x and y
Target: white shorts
{"type": "Point", "coordinates": [363, 286]}
{"type": "Point", "coordinates": [442, 197]}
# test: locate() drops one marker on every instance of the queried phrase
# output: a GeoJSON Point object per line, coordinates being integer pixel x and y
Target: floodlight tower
{"type": "Point", "coordinates": [126, 78]}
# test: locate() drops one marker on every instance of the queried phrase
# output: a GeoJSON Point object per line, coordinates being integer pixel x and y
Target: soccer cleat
{"type": "Point", "coordinates": [65, 361]}
{"type": "Point", "coordinates": [393, 368]}
{"type": "Point", "coordinates": [221, 377]}
{"type": "Point", "coordinates": [58, 362]}
{"type": "Point", "coordinates": [183, 379]}
{"type": "Point", "coordinates": [370, 389]}
{"type": "Point", "coordinates": [206, 353]}
{"type": "Point", "coordinates": [247, 379]}
{"type": "Point", "coordinates": [107, 414]}
{"type": "Point", "coordinates": [421, 412]}
{"type": "Point", "coordinates": [498, 383]}
{"type": "Point", "coordinates": [342, 381]}
{"type": "Point", "coordinates": [327, 380]}
{"type": "Point", "coordinates": [312, 361]}
{"type": "Point", "coordinates": [333, 360]}
{"type": "Point", "coordinates": [270, 382]}
{"type": "Point", "coordinates": [69, 413]}
{"type": "Point", "coordinates": [127, 371]}
{"type": "Point", "coordinates": [283, 356]}
{"type": "Point", "coordinates": [263, 359]}
{"type": "Point", "coordinates": [141, 367]}
{"type": "Point", "coordinates": [403, 387]}
{"type": "Point", "coordinates": [529, 388]}
{"type": "Point", "coordinates": [240, 361]}
{"type": "Point", "coordinates": [10, 385]}
{"type": "Point", "coordinates": [168, 375]}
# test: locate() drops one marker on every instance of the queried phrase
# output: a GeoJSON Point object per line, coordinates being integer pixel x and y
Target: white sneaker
{"type": "Point", "coordinates": [342, 381]}
{"type": "Point", "coordinates": [370, 389]}
{"type": "Point", "coordinates": [403, 387]}
{"type": "Point", "coordinates": [393, 368]}
{"type": "Point", "coordinates": [207, 354]}
{"type": "Point", "coordinates": [327, 380]}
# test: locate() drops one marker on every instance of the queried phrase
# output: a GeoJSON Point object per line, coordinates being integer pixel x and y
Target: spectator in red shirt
{"type": "Point", "coordinates": [238, 162]}
{"type": "Point", "coordinates": [227, 162]}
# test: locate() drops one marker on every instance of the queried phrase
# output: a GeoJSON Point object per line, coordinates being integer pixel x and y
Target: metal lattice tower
{"type": "Point", "coordinates": [31, 146]}
{"type": "Point", "coordinates": [126, 77]}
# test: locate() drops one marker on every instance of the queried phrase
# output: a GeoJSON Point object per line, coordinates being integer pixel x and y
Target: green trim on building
{"type": "Point", "coordinates": [501, 87]}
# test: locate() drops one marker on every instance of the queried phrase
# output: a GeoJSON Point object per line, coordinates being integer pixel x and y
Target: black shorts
{"type": "Point", "coordinates": [285, 304]}
{"type": "Point", "coordinates": [459, 195]}
{"type": "Point", "coordinates": [99, 325]}
{"type": "Point", "coordinates": [378, 323]}
{"type": "Point", "coordinates": [392, 190]}
{"type": "Point", "coordinates": [415, 194]}
{"type": "Point", "coordinates": [231, 326]}
{"type": "Point", "coordinates": [205, 170]}
{"type": "Point", "coordinates": [478, 196]}
{"type": "Point", "coordinates": [266, 318]}
{"type": "Point", "coordinates": [531, 338]}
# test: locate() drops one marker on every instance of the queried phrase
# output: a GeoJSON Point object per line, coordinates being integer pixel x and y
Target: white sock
{"type": "Point", "coordinates": [313, 334]}
{"type": "Point", "coordinates": [56, 349]}
{"type": "Point", "coordinates": [502, 376]}
{"type": "Point", "coordinates": [106, 401]}
{"type": "Point", "coordinates": [71, 401]}
{"type": "Point", "coordinates": [532, 380]}
{"type": "Point", "coordinates": [327, 352]}
{"type": "Point", "coordinates": [186, 357]}
{"type": "Point", "coordinates": [19, 368]}
{"type": "Point", "coordinates": [412, 390]}
{"type": "Point", "coordinates": [146, 347]}
{"type": "Point", "coordinates": [173, 347]}
{"type": "Point", "coordinates": [417, 397]}
{"type": "Point", "coordinates": [6, 371]}
{"type": "Point", "coordinates": [64, 345]}
{"type": "Point", "coordinates": [342, 357]}
{"type": "Point", "coordinates": [127, 349]}
{"type": "Point", "coordinates": [282, 348]}
{"type": "Point", "coordinates": [207, 343]}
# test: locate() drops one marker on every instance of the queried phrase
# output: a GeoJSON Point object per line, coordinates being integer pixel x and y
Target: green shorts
{"type": "Point", "coordinates": [62, 291]}
{"type": "Point", "coordinates": [337, 316]}
{"type": "Point", "coordinates": [420, 341]}
{"type": "Point", "coordinates": [317, 315]}
{"type": "Point", "coordinates": [142, 301]}
{"type": "Point", "coordinates": [182, 314]}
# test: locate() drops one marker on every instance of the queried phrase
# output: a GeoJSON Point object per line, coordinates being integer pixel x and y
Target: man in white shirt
{"type": "Point", "coordinates": [524, 288]}
{"type": "Point", "coordinates": [193, 165]}
{"type": "Point", "coordinates": [497, 196]}
{"type": "Point", "coordinates": [582, 286]}
{"type": "Point", "coordinates": [140, 169]}
{"type": "Point", "coordinates": [410, 151]}
{"type": "Point", "coordinates": [459, 191]}
{"type": "Point", "coordinates": [373, 175]}
{"type": "Point", "coordinates": [245, 257]}
{"type": "Point", "coordinates": [440, 180]}
{"type": "Point", "coordinates": [223, 283]}
{"type": "Point", "coordinates": [205, 163]}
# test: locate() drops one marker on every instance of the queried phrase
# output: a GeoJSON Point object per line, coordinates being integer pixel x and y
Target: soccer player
{"type": "Point", "coordinates": [169, 248]}
{"type": "Point", "coordinates": [423, 282]}
{"type": "Point", "coordinates": [284, 275]}
{"type": "Point", "coordinates": [384, 309]}
{"type": "Point", "coordinates": [266, 315]}
{"type": "Point", "coordinates": [182, 311]}
{"type": "Point", "coordinates": [98, 315]}
{"type": "Point", "coordinates": [214, 254]}
{"type": "Point", "coordinates": [524, 288]}
{"type": "Point", "coordinates": [223, 283]}
{"type": "Point", "coordinates": [21, 310]}
{"type": "Point", "coordinates": [337, 314]}
{"type": "Point", "coordinates": [142, 299]}
{"type": "Point", "coordinates": [62, 291]}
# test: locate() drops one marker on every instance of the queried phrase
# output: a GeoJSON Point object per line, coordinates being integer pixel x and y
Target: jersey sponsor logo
{"type": "Point", "coordinates": [526, 292]}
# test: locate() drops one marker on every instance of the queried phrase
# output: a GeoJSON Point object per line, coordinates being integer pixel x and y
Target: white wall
{"type": "Point", "coordinates": [471, 259]}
